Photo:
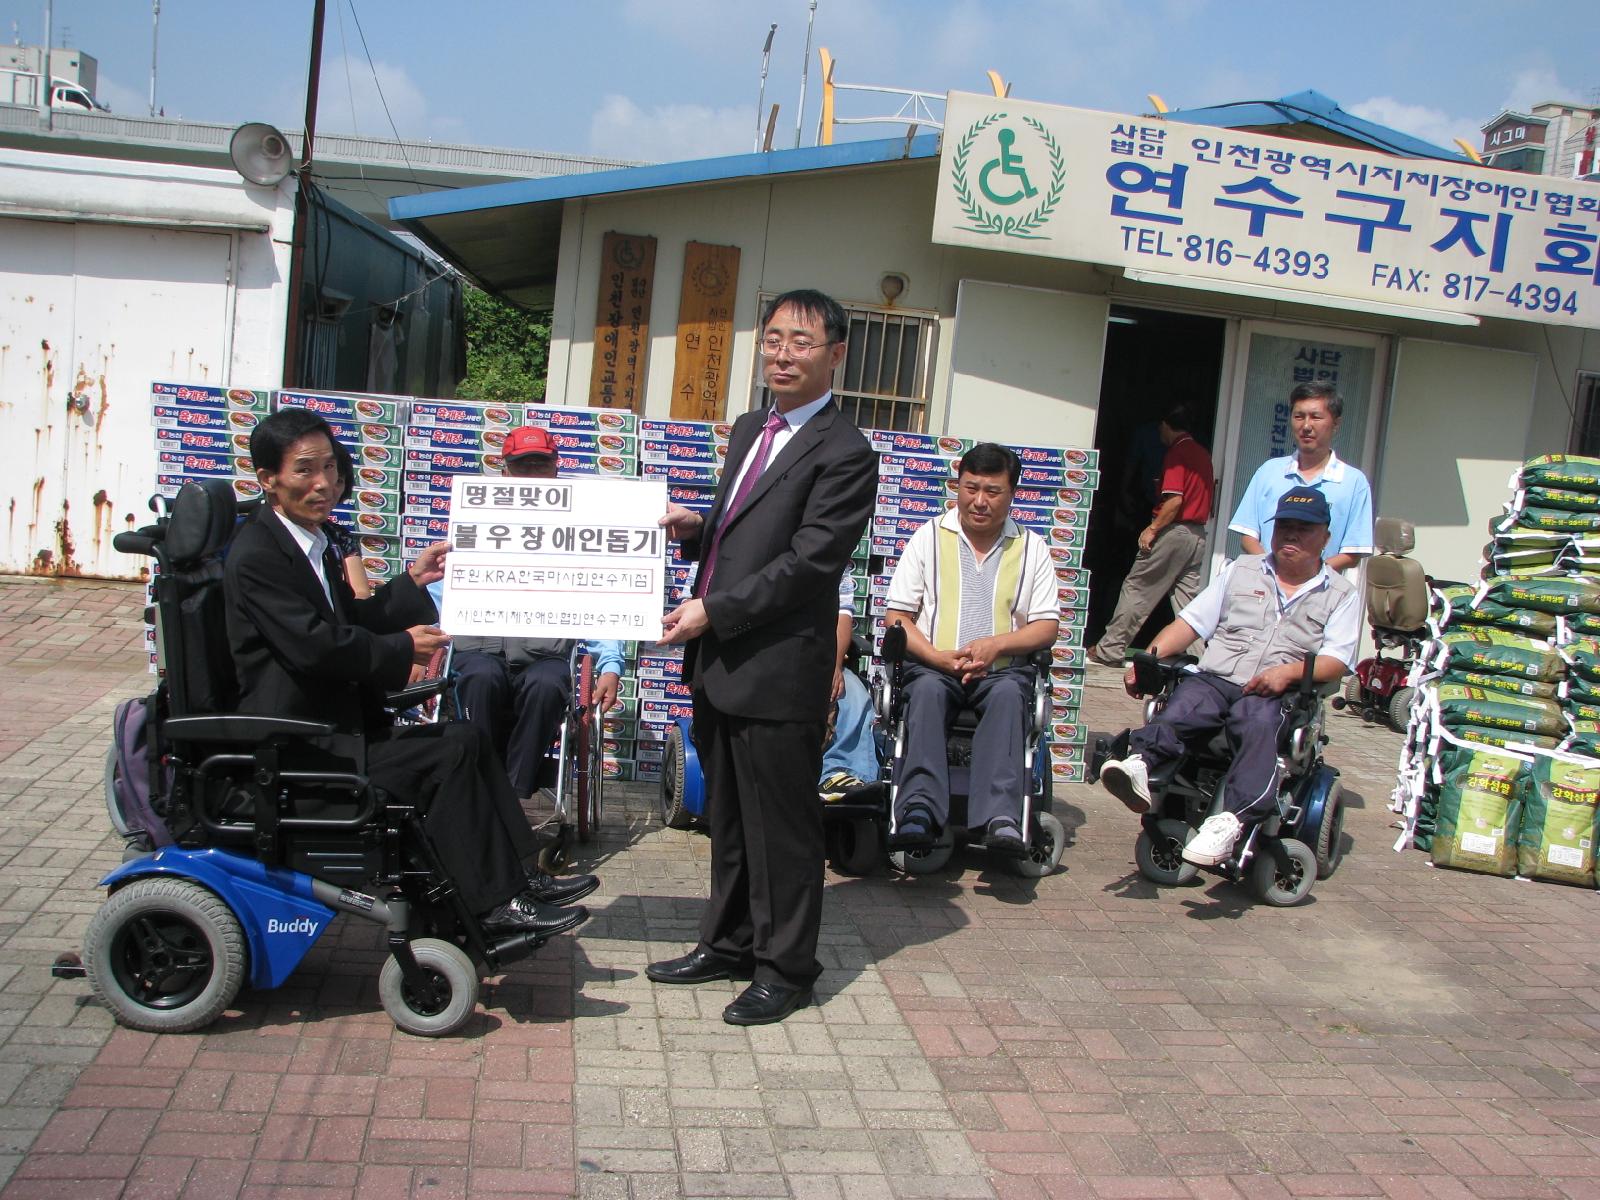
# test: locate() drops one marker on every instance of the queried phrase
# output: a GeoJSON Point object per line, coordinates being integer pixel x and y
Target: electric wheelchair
{"type": "Point", "coordinates": [1281, 856]}
{"type": "Point", "coordinates": [856, 826]}
{"type": "Point", "coordinates": [251, 833]}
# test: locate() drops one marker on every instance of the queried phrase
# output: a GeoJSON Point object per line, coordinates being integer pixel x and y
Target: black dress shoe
{"type": "Point", "coordinates": [524, 913]}
{"type": "Point", "coordinates": [912, 832]}
{"type": "Point", "coordinates": [698, 966]}
{"type": "Point", "coordinates": [548, 889]}
{"type": "Point", "coordinates": [764, 1003]}
{"type": "Point", "coordinates": [1003, 837]}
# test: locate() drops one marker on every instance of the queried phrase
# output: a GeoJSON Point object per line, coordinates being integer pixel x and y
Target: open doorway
{"type": "Point", "coordinates": [1153, 360]}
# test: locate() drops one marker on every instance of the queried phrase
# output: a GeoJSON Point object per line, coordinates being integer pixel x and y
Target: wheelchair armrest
{"type": "Point", "coordinates": [240, 728]}
{"type": "Point", "coordinates": [893, 649]}
{"type": "Point", "coordinates": [1152, 675]}
{"type": "Point", "coordinates": [1040, 660]}
{"type": "Point", "coordinates": [410, 697]}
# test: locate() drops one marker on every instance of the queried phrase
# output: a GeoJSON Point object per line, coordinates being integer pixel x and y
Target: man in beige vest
{"type": "Point", "coordinates": [976, 594]}
{"type": "Point", "coordinates": [1258, 617]}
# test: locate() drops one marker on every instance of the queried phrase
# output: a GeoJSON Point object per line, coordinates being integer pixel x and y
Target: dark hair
{"type": "Point", "coordinates": [270, 440]}
{"type": "Point", "coordinates": [987, 458]}
{"type": "Point", "coordinates": [1179, 418]}
{"type": "Point", "coordinates": [1325, 392]}
{"type": "Point", "coordinates": [810, 303]}
{"type": "Point", "coordinates": [347, 470]}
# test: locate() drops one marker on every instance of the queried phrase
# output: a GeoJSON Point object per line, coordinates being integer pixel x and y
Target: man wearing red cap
{"type": "Point", "coordinates": [518, 688]}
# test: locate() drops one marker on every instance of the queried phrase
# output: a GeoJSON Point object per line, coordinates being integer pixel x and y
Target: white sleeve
{"type": "Point", "coordinates": [1043, 603]}
{"type": "Point", "coordinates": [847, 594]}
{"type": "Point", "coordinates": [1204, 612]}
{"type": "Point", "coordinates": [1343, 630]}
{"type": "Point", "coordinates": [906, 586]}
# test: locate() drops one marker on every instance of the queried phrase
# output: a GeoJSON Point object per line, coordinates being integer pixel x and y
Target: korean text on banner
{"type": "Point", "coordinates": [560, 558]}
{"type": "Point", "coordinates": [1225, 205]}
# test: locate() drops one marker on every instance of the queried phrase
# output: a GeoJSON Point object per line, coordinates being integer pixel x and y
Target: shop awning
{"type": "Point", "coordinates": [506, 237]}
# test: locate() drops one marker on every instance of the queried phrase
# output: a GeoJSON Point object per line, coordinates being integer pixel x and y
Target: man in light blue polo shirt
{"type": "Point", "coordinates": [1314, 413]}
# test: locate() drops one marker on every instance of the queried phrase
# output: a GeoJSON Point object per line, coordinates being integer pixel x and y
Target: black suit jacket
{"type": "Point", "coordinates": [298, 656]}
{"type": "Point", "coordinates": [773, 603]}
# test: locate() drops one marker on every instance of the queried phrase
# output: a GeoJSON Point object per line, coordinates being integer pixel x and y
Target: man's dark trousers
{"type": "Point", "coordinates": [1200, 706]}
{"type": "Point", "coordinates": [761, 792]}
{"type": "Point", "coordinates": [996, 786]}
{"type": "Point", "coordinates": [519, 708]}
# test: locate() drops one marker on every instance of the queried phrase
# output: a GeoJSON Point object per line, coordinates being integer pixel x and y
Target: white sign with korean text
{"type": "Point", "coordinates": [556, 558]}
{"type": "Point", "coordinates": [1211, 203]}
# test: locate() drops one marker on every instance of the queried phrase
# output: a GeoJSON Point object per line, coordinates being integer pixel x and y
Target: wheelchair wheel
{"type": "Point", "coordinates": [674, 764]}
{"type": "Point", "coordinates": [1330, 837]}
{"type": "Point", "coordinates": [1044, 848]}
{"type": "Point", "coordinates": [587, 777]}
{"type": "Point", "coordinates": [1160, 856]}
{"type": "Point", "coordinates": [165, 955]}
{"type": "Point", "coordinates": [1283, 888]}
{"type": "Point", "coordinates": [452, 974]}
{"type": "Point", "coordinates": [1353, 692]}
{"type": "Point", "coordinates": [1400, 708]}
{"type": "Point", "coordinates": [925, 862]}
{"type": "Point", "coordinates": [854, 847]}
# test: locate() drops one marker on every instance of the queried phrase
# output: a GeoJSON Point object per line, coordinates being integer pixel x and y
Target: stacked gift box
{"type": "Point", "coordinates": [917, 482]}
{"type": "Point", "coordinates": [1501, 769]}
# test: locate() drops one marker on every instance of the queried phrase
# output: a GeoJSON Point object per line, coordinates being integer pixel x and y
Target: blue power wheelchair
{"type": "Point", "coordinates": [248, 834]}
{"type": "Point", "coordinates": [857, 825]}
{"type": "Point", "coordinates": [1282, 856]}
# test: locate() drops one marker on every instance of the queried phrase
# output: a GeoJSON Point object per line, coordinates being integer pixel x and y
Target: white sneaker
{"type": "Point", "coordinates": [1128, 780]}
{"type": "Point", "coordinates": [1214, 840]}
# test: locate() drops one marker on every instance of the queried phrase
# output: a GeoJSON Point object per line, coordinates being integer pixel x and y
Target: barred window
{"type": "Point", "coordinates": [887, 370]}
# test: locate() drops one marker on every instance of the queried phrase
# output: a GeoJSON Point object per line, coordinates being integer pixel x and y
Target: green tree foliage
{"type": "Point", "coordinates": [508, 350]}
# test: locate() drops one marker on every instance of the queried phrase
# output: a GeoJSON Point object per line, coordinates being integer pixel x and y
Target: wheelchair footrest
{"type": "Point", "coordinates": [68, 966]}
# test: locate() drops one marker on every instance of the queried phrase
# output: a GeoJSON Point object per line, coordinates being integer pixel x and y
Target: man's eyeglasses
{"type": "Point", "coordinates": [771, 347]}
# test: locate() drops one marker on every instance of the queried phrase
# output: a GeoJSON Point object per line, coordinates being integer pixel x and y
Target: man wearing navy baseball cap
{"type": "Point", "coordinates": [1258, 618]}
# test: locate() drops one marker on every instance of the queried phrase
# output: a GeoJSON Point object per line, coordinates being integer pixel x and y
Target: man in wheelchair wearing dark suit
{"type": "Point", "coordinates": [304, 646]}
{"type": "Point", "coordinates": [1259, 618]}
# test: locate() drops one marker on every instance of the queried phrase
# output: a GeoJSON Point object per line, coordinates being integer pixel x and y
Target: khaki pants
{"type": "Point", "coordinates": [1172, 565]}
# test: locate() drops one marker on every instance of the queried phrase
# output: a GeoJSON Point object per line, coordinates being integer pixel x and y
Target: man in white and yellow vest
{"type": "Point", "coordinates": [976, 595]}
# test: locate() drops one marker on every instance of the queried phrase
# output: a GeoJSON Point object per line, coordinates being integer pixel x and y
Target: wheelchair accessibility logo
{"type": "Point", "coordinates": [1008, 176]}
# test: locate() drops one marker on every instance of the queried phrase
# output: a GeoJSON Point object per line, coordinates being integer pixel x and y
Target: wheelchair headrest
{"type": "Point", "coordinates": [1391, 535]}
{"type": "Point", "coordinates": [201, 523]}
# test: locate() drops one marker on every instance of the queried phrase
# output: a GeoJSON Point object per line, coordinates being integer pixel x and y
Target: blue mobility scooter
{"type": "Point", "coordinates": [856, 825]}
{"type": "Point", "coordinates": [1281, 856]}
{"type": "Point", "coordinates": [246, 835]}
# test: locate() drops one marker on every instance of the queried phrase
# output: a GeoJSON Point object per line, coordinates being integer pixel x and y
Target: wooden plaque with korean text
{"type": "Point", "coordinates": [622, 321]}
{"type": "Point", "coordinates": [705, 332]}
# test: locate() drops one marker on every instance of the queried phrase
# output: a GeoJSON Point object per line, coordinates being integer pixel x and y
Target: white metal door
{"type": "Point", "coordinates": [127, 305]}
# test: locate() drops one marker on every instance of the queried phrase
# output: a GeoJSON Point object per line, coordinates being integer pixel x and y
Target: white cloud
{"type": "Point", "coordinates": [1431, 124]}
{"type": "Point", "coordinates": [349, 99]}
{"type": "Point", "coordinates": [669, 132]}
{"type": "Point", "coordinates": [125, 101]}
{"type": "Point", "coordinates": [1531, 85]}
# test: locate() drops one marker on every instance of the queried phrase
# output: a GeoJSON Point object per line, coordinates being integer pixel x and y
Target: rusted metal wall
{"type": "Point", "coordinates": [89, 315]}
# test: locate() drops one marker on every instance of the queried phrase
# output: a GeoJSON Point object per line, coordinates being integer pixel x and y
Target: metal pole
{"type": "Point", "coordinates": [761, 98]}
{"type": "Point", "coordinates": [805, 67]}
{"type": "Point", "coordinates": [155, 40]}
{"type": "Point", "coordinates": [44, 64]}
{"type": "Point", "coordinates": [292, 375]}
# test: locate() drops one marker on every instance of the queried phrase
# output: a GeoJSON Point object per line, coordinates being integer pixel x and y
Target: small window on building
{"type": "Point", "coordinates": [1586, 416]}
{"type": "Point", "coordinates": [887, 371]}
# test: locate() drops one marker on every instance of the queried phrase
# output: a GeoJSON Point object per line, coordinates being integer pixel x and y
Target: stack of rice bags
{"type": "Point", "coordinates": [1501, 767]}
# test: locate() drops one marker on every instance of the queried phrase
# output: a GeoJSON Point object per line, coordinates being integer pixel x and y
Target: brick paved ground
{"type": "Point", "coordinates": [1408, 1033]}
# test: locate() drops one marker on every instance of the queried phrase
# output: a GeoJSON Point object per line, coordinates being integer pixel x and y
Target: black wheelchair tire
{"type": "Point", "coordinates": [1044, 847]}
{"type": "Point", "coordinates": [1399, 711]}
{"type": "Point", "coordinates": [854, 846]}
{"type": "Point", "coordinates": [674, 764]}
{"type": "Point", "coordinates": [1330, 835]}
{"type": "Point", "coordinates": [1160, 858]}
{"type": "Point", "coordinates": [1353, 692]}
{"type": "Point", "coordinates": [925, 862]}
{"type": "Point", "coordinates": [447, 963]}
{"type": "Point", "coordinates": [187, 920]}
{"type": "Point", "coordinates": [1277, 888]}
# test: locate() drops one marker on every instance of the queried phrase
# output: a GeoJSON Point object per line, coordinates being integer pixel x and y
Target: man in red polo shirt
{"type": "Point", "coordinates": [1171, 547]}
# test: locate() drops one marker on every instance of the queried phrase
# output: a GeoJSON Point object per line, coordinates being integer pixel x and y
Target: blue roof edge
{"type": "Point", "coordinates": [677, 174]}
{"type": "Point", "coordinates": [1311, 105]}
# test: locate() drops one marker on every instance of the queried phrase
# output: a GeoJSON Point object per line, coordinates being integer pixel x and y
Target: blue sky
{"type": "Point", "coordinates": [674, 79]}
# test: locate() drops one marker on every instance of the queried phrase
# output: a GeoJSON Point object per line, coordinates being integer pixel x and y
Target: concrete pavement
{"type": "Point", "coordinates": [1407, 1033]}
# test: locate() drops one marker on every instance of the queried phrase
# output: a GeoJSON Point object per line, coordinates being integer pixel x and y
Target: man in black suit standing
{"type": "Point", "coordinates": [304, 646]}
{"type": "Point", "coordinates": [758, 633]}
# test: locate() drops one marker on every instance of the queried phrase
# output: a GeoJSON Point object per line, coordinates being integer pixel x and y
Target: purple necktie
{"type": "Point", "coordinates": [769, 430]}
